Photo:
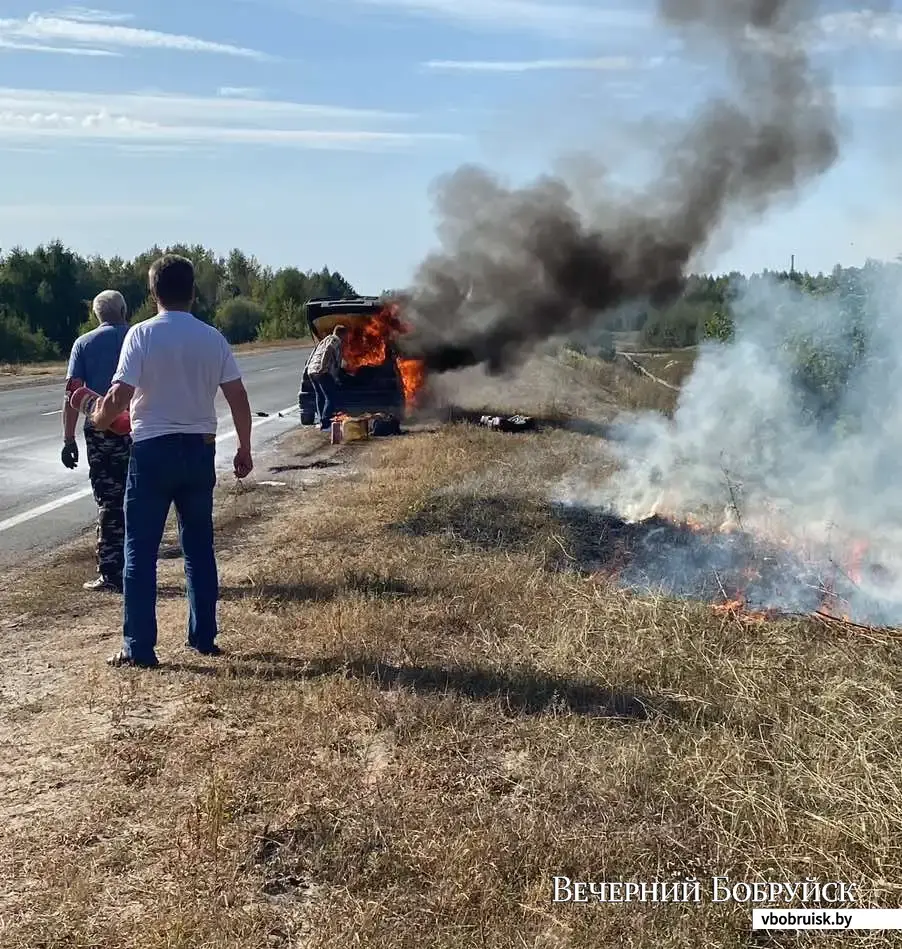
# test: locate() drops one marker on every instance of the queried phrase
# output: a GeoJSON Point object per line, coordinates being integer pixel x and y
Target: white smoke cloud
{"type": "Point", "coordinates": [749, 446]}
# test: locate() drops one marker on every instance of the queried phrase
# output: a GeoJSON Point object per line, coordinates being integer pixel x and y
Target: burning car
{"type": "Point", "coordinates": [375, 378]}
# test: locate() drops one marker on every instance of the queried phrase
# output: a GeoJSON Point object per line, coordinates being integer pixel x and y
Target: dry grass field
{"type": "Point", "coordinates": [673, 366]}
{"type": "Point", "coordinates": [432, 703]}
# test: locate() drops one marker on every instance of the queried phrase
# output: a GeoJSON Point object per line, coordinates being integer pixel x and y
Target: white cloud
{"type": "Point", "coordinates": [47, 33]}
{"type": "Point", "coordinates": [607, 63]}
{"type": "Point", "coordinates": [168, 121]}
{"type": "Point", "coordinates": [106, 126]}
{"type": "Point", "coordinates": [90, 15]}
{"type": "Point", "coordinates": [153, 148]}
{"type": "Point", "coordinates": [172, 109]}
{"type": "Point", "coordinates": [542, 15]}
{"type": "Point", "coordinates": [239, 92]}
{"type": "Point", "coordinates": [861, 25]}
{"type": "Point", "coordinates": [59, 50]}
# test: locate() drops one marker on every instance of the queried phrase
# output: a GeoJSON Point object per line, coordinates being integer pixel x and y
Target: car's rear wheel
{"type": "Point", "coordinates": [307, 407]}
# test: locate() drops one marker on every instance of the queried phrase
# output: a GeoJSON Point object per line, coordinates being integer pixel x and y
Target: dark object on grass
{"type": "Point", "coordinates": [513, 423]}
{"type": "Point", "coordinates": [383, 425]}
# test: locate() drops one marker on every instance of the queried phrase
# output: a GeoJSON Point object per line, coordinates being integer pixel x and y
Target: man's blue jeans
{"type": "Point", "coordinates": [326, 390]}
{"type": "Point", "coordinates": [179, 470]}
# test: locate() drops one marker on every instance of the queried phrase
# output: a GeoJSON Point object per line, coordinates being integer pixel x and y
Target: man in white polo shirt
{"type": "Point", "coordinates": [170, 369]}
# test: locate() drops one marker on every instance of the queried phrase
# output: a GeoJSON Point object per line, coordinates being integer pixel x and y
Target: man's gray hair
{"type": "Point", "coordinates": [110, 307]}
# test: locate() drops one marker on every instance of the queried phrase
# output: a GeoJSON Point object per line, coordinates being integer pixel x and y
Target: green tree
{"type": "Point", "coordinates": [46, 293]}
{"type": "Point", "coordinates": [719, 326]}
{"type": "Point", "coordinates": [288, 322]}
{"type": "Point", "coordinates": [239, 319]}
{"type": "Point", "coordinates": [145, 311]}
{"type": "Point", "coordinates": [19, 344]}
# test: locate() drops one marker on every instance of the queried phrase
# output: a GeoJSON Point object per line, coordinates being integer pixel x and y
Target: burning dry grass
{"type": "Point", "coordinates": [430, 707]}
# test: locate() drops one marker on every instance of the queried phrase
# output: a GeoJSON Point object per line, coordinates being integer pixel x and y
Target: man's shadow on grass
{"type": "Point", "coordinates": [366, 584]}
{"type": "Point", "coordinates": [309, 466]}
{"type": "Point", "coordinates": [518, 692]}
{"type": "Point", "coordinates": [269, 592]}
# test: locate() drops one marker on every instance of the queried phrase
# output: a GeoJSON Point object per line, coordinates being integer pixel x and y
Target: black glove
{"type": "Point", "coordinates": [69, 455]}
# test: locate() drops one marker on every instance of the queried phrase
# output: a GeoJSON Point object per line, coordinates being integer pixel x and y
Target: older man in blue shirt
{"type": "Point", "coordinates": [93, 361]}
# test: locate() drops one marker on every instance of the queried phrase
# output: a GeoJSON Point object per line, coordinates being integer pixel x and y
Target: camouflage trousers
{"type": "Point", "coordinates": [108, 456]}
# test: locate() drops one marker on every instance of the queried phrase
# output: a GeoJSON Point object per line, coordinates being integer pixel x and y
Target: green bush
{"type": "Point", "coordinates": [288, 321]}
{"type": "Point", "coordinates": [89, 324]}
{"type": "Point", "coordinates": [719, 326]}
{"type": "Point", "coordinates": [676, 326]}
{"type": "Point", "coordinates": [239, 319]}
{"type": "Point", "coordinates": [19, 344]}
{"type": "Point", "coordinates": [823, 370]}
{"type": "Point", "coordinates": [145, 311]}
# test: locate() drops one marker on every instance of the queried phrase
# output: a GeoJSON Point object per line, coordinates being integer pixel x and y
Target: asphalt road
{"type": "Point", "coordinates": [43, 504]}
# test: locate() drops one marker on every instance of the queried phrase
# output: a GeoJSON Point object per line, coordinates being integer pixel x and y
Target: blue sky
{"type": "Point", "coordinates": [310, 132]}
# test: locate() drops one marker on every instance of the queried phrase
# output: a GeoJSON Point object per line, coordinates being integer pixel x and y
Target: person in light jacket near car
{"type": "Point", "coordinates": [324, 371]}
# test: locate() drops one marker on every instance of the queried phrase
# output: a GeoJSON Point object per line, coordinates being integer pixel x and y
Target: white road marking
{"type": "Point", "coordinates": [57, 503]}
{"type": "Point", "coordinates": [55, 412]}
{"type": "Point", "coordinates": [25, 516]}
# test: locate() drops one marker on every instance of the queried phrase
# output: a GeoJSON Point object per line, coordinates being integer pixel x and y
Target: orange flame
{"type": "Point", "coordinates": [368, 345]}
{"type": "Point", "coordinates": [737, 610]}
{"type": "Point", "coordinates": [413, 378]}
{"type": "Point", "coordinates": [851, 565]}
{"type": "Point", "coordinates": [832, 604]}
{"type": "Point", "coordinates": [731, 608]}
{"type": "Point", "coordinates": [856, 557]}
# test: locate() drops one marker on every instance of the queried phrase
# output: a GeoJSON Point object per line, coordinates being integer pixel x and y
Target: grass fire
{"type": "Point", "coordinates": [755, 575]}
{"type": "Point", "coordinates": [459, 664]}
{"type": "Point", "coordinates": [631, 619]}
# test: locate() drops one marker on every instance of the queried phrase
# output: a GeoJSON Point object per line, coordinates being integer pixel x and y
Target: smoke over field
{"type": "Point", "coordinates": [518, 266]}
{"type": "Point", "coordinates": [791, 432]}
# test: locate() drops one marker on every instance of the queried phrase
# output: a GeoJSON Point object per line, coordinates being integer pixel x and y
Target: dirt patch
{"type": "Point", "coordinates": [16, 377]}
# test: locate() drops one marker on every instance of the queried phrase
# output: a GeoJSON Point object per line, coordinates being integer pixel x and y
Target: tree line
{"type": "Point", "coordinates": [842, 338]}
{"type": "Point", "coordinates": [707, 307]}
{"type": "Point", "coordinates": [46, 294]}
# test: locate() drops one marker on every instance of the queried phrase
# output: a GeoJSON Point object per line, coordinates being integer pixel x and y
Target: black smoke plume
{"type": "Point", "coordinates": [520, 266]}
